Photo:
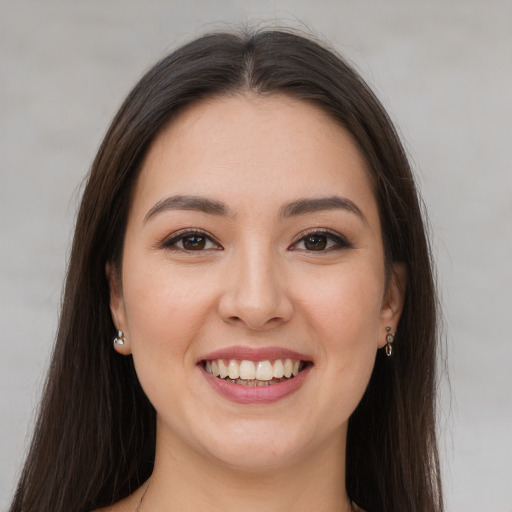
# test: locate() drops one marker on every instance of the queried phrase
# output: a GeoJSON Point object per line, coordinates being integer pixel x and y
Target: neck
{"type": "Point", "coordinates": [186, 480]}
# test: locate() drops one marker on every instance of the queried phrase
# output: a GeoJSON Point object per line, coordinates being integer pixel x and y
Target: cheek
{"type": "Point", "coordinates": [165, 311]}
{"type": "Point", "coordinates": [345, 315]}
{"type": "Point", "coordinates": [348, 304]}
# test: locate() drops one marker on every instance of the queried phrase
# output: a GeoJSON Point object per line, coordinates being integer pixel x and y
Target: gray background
{"type": "Point", "coordinates": [444, 71]}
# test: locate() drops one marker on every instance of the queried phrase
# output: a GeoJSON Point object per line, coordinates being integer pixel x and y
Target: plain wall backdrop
{"type": "Point", "coordinates": [443, 69]}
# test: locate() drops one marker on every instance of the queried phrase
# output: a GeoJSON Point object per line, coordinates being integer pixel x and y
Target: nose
{"type": "Point", "coordinates": [255, 291]}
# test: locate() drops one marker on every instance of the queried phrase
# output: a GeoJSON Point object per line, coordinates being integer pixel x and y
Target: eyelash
{"type": "Point", "coordinates": [171, 243]}
{"type": "Point", "coordinates": [340, 242]}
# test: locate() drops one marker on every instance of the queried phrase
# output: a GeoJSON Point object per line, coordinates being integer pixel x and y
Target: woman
{"type": "Point", "coordinates": [250, 238]}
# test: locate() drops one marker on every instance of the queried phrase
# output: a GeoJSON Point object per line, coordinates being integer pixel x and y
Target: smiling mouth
{"type": "Point", "coordinates": [255, 373]}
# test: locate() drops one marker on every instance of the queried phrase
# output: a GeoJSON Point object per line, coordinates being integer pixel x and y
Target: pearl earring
{"type": "Point", "coordinates": [119, 339]}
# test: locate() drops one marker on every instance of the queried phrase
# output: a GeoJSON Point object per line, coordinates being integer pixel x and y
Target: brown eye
{"type": "Point", "coordinates": [321, 241]}
{"type": "Point", "coordinates": [190, 241]}
{"type": "Point", "coordinates": [315, 242]}
{"type": "Point", "coordinates": [194, 243]}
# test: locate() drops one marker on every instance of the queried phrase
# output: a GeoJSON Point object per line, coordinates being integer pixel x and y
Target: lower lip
{"type": "Point", "coordinates": [257, 394]}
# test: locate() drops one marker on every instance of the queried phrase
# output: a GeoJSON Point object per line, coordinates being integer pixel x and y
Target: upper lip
{"type": "Point", "coordinates": [254, 354]}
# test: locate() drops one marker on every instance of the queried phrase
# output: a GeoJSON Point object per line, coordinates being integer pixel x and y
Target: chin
{"type": "Point", "coordinates": [258, 446]}
{"type": "Point", "coordinates": [254, 458]}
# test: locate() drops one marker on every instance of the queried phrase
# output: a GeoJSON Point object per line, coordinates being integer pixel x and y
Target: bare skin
{"type": "Point", "coordinates": [247, 252]}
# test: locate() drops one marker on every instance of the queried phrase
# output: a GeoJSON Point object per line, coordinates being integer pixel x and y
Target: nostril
{"type": "Point", "coordinates": [255, 323]}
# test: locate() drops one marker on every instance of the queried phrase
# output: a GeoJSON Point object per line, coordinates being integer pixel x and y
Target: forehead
{"type": "Point", "coordinates": [266, 149]}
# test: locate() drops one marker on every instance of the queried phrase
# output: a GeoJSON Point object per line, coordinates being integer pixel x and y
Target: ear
{"type": "Point", "coordinates": [117, 308]}
{"type": "Point", "coordinates": [393, 302]}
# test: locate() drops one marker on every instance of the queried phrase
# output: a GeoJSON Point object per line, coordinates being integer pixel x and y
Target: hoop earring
{"type": "Point", "coordinates": [390, 338]}
{"type": "Point", "coordinates": [119, 339]}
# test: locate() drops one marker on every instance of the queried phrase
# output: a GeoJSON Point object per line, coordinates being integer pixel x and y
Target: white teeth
{"type": "Point", "coordinates": [233, 369]}
{"type": "Point", "coordinates": [223, 369]}
{"type": "Point", "coordinates": [247, 370]}
{"type": "Point", "coordinates": [264, 371]}
{"type": "Point", "coordinates": [288, 368]}
{"type": "Point", "coordinates": [278, 369]}
{"type": "Point", "coordinates": [251, 373]}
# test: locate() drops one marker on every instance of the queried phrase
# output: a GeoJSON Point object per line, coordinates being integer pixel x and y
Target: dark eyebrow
{"type": "Point", "coordinates": [311, 205]}
{"type": "Point", "coordinates": [196, 203]}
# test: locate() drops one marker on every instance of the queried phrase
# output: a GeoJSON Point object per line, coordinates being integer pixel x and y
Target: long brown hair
{"type": "Point", "coordinates": [94, 439]}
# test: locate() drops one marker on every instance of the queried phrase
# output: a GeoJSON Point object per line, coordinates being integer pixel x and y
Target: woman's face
{"type": "Point", "coordinates": [253, 238]}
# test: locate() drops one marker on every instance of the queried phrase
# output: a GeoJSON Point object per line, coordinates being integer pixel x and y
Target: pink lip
{"type": "Point", "coordinates": [258, 394]}
{"type": "Point", "coordinates": [254, 354]}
